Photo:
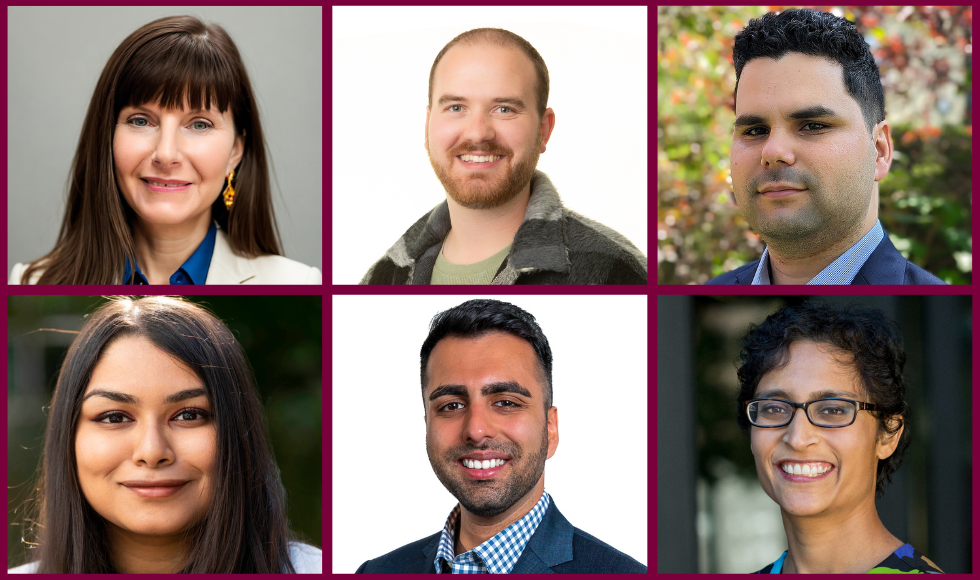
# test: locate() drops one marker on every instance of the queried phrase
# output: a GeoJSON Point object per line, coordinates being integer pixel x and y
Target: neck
{"type": "Point", "coordinates": [162, 249]}
{"type": "Point", "coordinates": [139, 554]}
{"type": "Point", "coordinates": [832, 544]}
{"type": "Point", "coordinates": [797, 263]}
{"type": "Point", "coordinates": [474, 529]}
{"type": "Point", "coordinates": [477, 234]}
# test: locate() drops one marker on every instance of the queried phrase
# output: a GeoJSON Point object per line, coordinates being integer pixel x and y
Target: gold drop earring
{"type": "Point", "coordinates": [230, 191]}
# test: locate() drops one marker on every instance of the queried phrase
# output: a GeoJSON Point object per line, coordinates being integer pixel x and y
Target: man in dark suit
{"type": "Point", "coordinates": [490, 426]}
{"type": "Point", "coordinates": [809, 147]}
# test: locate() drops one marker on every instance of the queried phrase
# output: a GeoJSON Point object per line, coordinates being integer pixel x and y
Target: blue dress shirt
{"type": "Point", "coordinates": [193, 271]}
{"type": "Point", "coordinates": [840, 271]}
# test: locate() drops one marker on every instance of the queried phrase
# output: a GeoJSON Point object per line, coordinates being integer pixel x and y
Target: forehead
{"type": "Point", "coordinates": [483, 71]}
{"type": "Point", "coordinates": [137, 365]}
{"type": "Point", "coordinates": [812, 369]}
{"type": "Point", "coordinates": [490, 358]}
{"type": "Point", "coordinates": [794, 82]}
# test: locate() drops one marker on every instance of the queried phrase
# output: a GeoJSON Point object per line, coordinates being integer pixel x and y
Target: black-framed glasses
{"type": "Point", "coordinates": [828, 413]}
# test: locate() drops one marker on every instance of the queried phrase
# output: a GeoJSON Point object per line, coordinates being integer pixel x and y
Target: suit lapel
{"type": "Point", "coordinates": [550, 545]}
{"type": "Point", "coordinates": [885, 265]}
{"type": "Point", "coordinates": [226, 267]}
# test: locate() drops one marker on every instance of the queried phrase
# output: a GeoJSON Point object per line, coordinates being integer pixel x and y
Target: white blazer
{"type": "Point", "coordinates": [229, 268]}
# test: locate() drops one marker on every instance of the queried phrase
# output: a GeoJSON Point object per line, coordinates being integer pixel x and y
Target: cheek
{"type": "Point", "coordinates": [97, 454]}
{"type": "Point", "coordinates": [128, 151]}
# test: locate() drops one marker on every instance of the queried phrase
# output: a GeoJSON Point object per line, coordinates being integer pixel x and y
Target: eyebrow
{"type": "Point", "coordinates": [825, 394]}
{"type": "Point", "coordinates": [486, 390]}
{"type": "Point", "coordinates": [516, 102]}
{"type": "Point", "coordinates": [814, 112]}
{"type": "Point", "coordinates": [131, 400]}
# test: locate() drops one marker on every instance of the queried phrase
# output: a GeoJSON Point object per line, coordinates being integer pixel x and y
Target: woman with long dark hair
{"type": "Point", "coordinates": [170, 181]}
{"type": "Point", "coordinates": [156, 457]}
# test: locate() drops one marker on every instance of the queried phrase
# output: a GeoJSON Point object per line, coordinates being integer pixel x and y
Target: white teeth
{"type": "Point", "coordinates": [479, 158]}
{"type": "Point", "coordinates": [485, 464]}
{"type": "Point", "coordinates": [806, 469]}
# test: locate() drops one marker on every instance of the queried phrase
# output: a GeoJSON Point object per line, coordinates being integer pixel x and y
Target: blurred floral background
{"type": "Point", "coordinates": [282, 337]}
{"type": "Point", "coordinates": [924, 55]}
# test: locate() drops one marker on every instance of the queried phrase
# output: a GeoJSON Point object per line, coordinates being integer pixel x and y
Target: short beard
{"type": "Point", "coordinates": [493, 497]}
{"type": "Point", "coordinates": [479, 192]}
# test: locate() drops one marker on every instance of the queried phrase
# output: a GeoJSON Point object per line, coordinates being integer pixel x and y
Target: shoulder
{"type": "Point", "coordinates": [29, 568]}
{"type": "Point", "coordinates": [601, 254]}
{"type": "Point", "coordinates": [736, 276]}
{"type": "Point", "coordinates": [407, 559]}
{"type": "Point", "coordinates": [592, 555]}
{"type": "Point", "coordinates": [908, 560]}
{"type": "Point", "coordinates": [18, 271]}
{"type": "Point", "coordinates": [306, 559]}
{"type": "Point", "coordinates": [281, 270]}
{"type": "Point", "coordinates": [417, 243]}
{"type": "Point", "coordinates": [916, 275]}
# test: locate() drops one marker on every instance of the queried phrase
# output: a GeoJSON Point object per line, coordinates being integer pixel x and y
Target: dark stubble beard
{"type": "Point", "coordinates": [489, 498]}
{"type": "Point", "coordinates": [483, 190]}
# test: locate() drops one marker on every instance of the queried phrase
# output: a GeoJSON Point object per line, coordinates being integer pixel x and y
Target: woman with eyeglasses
{"type": "Point", "coordinates": [823, 399]}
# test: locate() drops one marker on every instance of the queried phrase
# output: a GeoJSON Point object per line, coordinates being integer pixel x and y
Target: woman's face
{"type": "Point", "coordinates": [145, 441]}
{"type": "Point", "coordinates": [848, 454]}
{"type": "Point", "coordinates": [171, 164]}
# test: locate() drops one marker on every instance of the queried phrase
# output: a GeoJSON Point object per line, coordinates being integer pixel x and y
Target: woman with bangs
{"type": "Point", "coordinates": [170, 182]}
{"type": "Point", "coordinates": [156, 457]}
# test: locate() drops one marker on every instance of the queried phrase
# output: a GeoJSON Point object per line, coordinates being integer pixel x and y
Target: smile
{"type": "Point", "coordinates": [154, 491]}
{"type": "Point", "coordinates": [485, 464]}
{"type": "Point", "coordinates": [480, 158]}
{"type": "Point", "coordinates": [812, 470]}
{"type": "Point", "coordinates": [165, 185]}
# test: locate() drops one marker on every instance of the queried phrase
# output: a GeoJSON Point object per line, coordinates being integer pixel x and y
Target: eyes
{"type": "Point", "coordinates": [140, 121]}
{"type": "Point", "coordinates": [809, 127]}
{"type": "Point", "coordinates": [501, 109]}
{"type": "Point", "coordinates": [457, 406]}
{"type": "Point", "coordinates": [185, 416]}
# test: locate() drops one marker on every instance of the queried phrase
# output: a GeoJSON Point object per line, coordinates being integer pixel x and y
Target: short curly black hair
{"type": "Point", "coordinates": [871, 339]}
{"type": "Point", "coordinates": [820, 34]}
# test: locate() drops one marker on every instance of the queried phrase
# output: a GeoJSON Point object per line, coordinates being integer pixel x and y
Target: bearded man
{"type": "Point", "coordinates": [489, 428]}
{"type": "Point", "coordinates": [487, 123]}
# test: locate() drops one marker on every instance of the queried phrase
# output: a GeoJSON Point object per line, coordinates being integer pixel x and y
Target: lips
{"type": "Point", "coordinates": [155, 488]}
{"type": "Point", "coordinates": [804, 470]}
{"type": "Point", "coordinates": [483, 465]}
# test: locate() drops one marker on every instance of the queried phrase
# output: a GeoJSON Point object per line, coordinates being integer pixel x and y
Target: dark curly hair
{"type": "Point", "coordinates": [873, 342]}
{"type": "Point", "coordinates": [816, 34]}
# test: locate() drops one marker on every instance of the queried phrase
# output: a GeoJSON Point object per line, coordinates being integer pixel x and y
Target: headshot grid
{"type": "Point", "coordinates": [164, 434]}
{"type": "Point", "coordinates": [815, 434]}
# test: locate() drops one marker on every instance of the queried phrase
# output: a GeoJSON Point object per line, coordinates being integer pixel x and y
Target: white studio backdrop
{"type": "Point", "coordinates": [382, 179]}
{"type": "Point", "coordinates": [385, 494]}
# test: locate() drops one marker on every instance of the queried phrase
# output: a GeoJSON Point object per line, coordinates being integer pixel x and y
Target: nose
{"type": "Point", "coordinates": [800, 433]}
{"type": "Point", "coordinates": [152, 447]}
{"type": "Point", "coordinates": [167, 150]}
{"type": "Point", "coordinates": [777, 150]}
{"type": "Point", "coordinates": [479, 424]}
{"type": "Point", "coordinates": [479, 128]}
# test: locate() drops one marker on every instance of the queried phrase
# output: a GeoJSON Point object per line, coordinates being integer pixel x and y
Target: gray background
{"type": "Point", "coordinates": [55, 58]}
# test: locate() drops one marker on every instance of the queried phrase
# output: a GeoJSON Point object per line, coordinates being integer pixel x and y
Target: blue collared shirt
{"type": "Point", "coordinates": [840, 271]}
{"type": "Point", "coordinates": [193, 271]}
{"type": "Point", "coordinates": [495, 556]}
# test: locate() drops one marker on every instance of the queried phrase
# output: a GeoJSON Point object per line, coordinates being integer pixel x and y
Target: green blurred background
{"type": "Point", "coordinates": [282, 338]}
{"type": "Point", "coordinates": [925, 58]}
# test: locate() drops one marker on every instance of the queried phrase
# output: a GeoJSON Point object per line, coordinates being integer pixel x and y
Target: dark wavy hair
{"type": "Point", "coordinates": [474, 318]}
{"type": "Point", "coordinates": [820, 34]}
{"type": "Point", "coordinates": [245, 529]}
{"type": "Point", "coordinates": [870, 341]}
{"type": "Point", "coordinates": [173, 61]}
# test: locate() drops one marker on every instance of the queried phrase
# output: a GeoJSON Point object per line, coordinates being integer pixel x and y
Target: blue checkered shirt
{"type": "Point", "coordinates": [840, 271]}
{"type": "Point", "coordinates": [495, 556]}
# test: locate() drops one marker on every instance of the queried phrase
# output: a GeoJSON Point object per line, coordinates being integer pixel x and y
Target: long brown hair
{"type": "Point", "coordinates": [172, 61]}
{"type": "Point", "coordinates": [245, 529]}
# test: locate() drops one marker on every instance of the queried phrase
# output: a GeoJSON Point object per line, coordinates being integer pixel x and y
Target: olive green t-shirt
{"type": "Point", "coordinates": [482, 272]}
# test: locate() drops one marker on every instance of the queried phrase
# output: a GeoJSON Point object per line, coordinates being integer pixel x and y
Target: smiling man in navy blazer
{"type": "Point", "coordinates": [809, 147]}
{"type": "Point", "coordinates": [490, 426]}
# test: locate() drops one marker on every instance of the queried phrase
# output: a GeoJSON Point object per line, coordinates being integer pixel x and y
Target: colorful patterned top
{"type": "Point", "coordinates": [904, 560]}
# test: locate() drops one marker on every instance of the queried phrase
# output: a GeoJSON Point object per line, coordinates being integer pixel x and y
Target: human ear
{"type": "Point", "coordinates": [237, 152]}
{"type": "Point", "coordinates": [882, 138]}
{"type": "Point", "coordinates": [547, 126]}
{"type": "Point", "coordinates": [427, 111]}
{"type": "Point", "coordinates": [552, 431]}
{"type": "Point", "coordinates": [887, 443]}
